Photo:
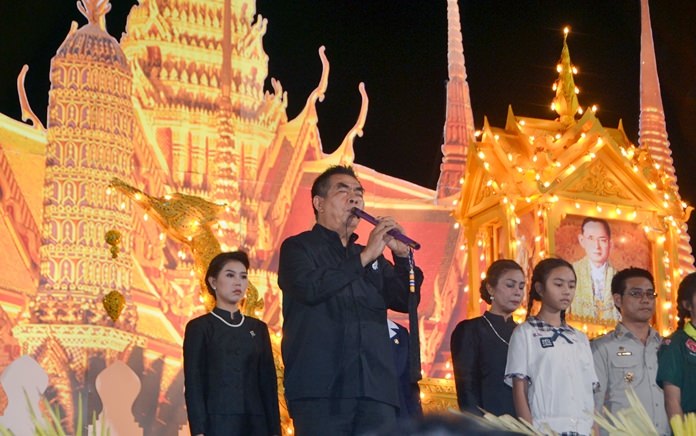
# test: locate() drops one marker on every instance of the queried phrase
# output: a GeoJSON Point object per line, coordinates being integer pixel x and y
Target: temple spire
{"type": "Point", "coordinates": [652, 131]}
{"type": "Point", "coordinates": [652, 134]}
{"type": "Point", "coordinates": [566, 101]}
{"type": "Point", "coordinates": [226, 68]}
{"type": "Point", "coordinates": [226, 166]}
{"type": "Point", "coordinates": [459, 121]}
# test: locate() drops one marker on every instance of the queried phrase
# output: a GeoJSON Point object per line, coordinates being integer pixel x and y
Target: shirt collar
{"type": "Point", "coordinates": [492, 317]}
{"type": "Point", "coordinates": [330, 234]}
{"type": "Point", "coordinates": [539, 324]}
{"type": "Point", "coordinates": [690, 330]}
{"type": "Point", "coordinates": [621, 330]}
{"type": "Point", "coordinates": [393, 328]}
{"type": "Point", "coordinates": [599, 269]}
{"type": "Point", "coordinates": [227, 316]}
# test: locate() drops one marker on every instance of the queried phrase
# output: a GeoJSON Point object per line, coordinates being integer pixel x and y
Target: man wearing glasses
{"type": "Point", "coordinates": [627, 356]}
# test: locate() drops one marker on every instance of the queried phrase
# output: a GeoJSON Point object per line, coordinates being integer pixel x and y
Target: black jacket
{"type": "Point", "coordinates": [229, 370]}
{"type": "Point", "coordinates": [335, 316]}
{"type": "Point", "coordinates": [409, 392]}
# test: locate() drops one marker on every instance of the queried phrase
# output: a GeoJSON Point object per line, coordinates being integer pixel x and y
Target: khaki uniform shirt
{"type": "Point", "coordinates": [621, 360]}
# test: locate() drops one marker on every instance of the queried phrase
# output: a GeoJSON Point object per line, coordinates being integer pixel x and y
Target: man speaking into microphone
{"type": "Point", "coordinates": [340, 377]}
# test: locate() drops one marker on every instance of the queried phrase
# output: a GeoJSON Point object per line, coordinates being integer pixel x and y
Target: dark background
{"type": "Point", "coordinates": [399, 49]}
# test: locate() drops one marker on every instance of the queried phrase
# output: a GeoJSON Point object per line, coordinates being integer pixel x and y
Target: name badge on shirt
{"type": "Point", "coordinates": [546, 342]}
{"type": "Point", "coordinates": [622, 352]}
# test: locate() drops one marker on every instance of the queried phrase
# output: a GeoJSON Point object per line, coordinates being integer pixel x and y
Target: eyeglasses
{"type": "Point", "coordinates": [637, 293]}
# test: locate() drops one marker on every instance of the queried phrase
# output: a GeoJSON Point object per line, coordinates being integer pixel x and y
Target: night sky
{"type": "Point", "coordinates": [399, 49]}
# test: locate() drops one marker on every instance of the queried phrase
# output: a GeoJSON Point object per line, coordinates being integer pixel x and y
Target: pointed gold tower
{"type": "Point", "coordinates": [565, 103]}
{"type": "Point", "coordinates": [90, 133]}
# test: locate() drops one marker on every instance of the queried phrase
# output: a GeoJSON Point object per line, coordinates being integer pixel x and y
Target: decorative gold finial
{"type": "Point", "coordinates": [114, 302]}
{"type": "Point", "coordinates": [566, 101]}
{"type": "Point", "coordinates": [95, 11]}
{"type": "Point", "coordinates": [113, 238]}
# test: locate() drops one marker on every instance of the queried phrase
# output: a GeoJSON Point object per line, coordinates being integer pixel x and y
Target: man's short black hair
{"type": "Point", "coordinates": [618, 282]}
{"type": "Point", "coordinates": [590, 219]}
{"type": "Point", "coordinates": [321, 185]}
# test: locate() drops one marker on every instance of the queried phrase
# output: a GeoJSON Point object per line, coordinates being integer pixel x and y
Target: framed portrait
{"type": "Point", "coordinates": [598, 248]}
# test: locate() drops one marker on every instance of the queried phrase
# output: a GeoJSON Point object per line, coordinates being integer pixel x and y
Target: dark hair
{"type": "Point", "coordinates": [493, 274]}
{"type": "Point", "coordinates": [219, 262]}
{"type": "Point", "coordinates": [541, 274]}
{"type": "Point", "coordinates": [590, 219]}
{"type": "Point", "coordinates": [618, 283]}
{"type": "Point", "coordinates": [321, 185]}
{"type": "Point", "coordinates": [687, 287]}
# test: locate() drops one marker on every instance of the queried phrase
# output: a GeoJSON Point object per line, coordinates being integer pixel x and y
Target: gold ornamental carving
{"type": "Point", "coordinates": [438, 395]}
{"type": "Point", "coordinates": [188, 220]}
{"type": "Point", "coordinates": [486, 191]}
{"type": "Point", "coordinates": [600, 183]}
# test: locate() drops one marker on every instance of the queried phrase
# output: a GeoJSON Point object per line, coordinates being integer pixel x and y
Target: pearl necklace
{"type": "Point", "coordinates": [494, 330]}
{"type": "Point", "coordinates": [233, 325]}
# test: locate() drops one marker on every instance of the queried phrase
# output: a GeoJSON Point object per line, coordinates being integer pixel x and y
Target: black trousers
{"type": "Point", "coordinates": [237, 425]}
{"type": "Point", "coordinates": [340, 416]}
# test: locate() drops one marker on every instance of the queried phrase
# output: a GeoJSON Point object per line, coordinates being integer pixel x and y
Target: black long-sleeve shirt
{"type": "Point", "coordinates": [229, 370]}
{"type": "Point", "coordinates": [335, 343]}
{"type": "Point", "coordinates": [478, 358]}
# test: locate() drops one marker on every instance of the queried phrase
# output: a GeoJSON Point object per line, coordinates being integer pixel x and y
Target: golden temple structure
{"type": "Point", "coordinates": [177, 111]}
{"type": "Point", "coordinates": [529, 185]}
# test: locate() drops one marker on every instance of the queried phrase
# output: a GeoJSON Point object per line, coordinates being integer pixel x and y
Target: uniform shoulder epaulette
{"type": "Point", "coordinates": [601, 337]}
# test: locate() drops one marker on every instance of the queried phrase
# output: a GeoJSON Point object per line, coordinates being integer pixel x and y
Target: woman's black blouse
{"type": "Point", "coordinates": [229, 371]}
{"type": "Point", "coordinates": [479, 357]}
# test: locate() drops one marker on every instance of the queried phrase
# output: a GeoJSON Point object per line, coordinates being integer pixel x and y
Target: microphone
{"type": "Point", "coordinates": [393, 232]}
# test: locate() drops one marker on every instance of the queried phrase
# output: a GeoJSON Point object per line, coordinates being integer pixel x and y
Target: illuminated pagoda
{"type": "Point", "coordinates": [88, 141]}
{"type": "Point", "coordinates": [530, 184]}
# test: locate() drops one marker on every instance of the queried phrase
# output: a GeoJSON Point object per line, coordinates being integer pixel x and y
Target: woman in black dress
{"type": "Point", "coordinates": [229, 375]}
{"type": "Point", "coordinates": [479, 346]}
